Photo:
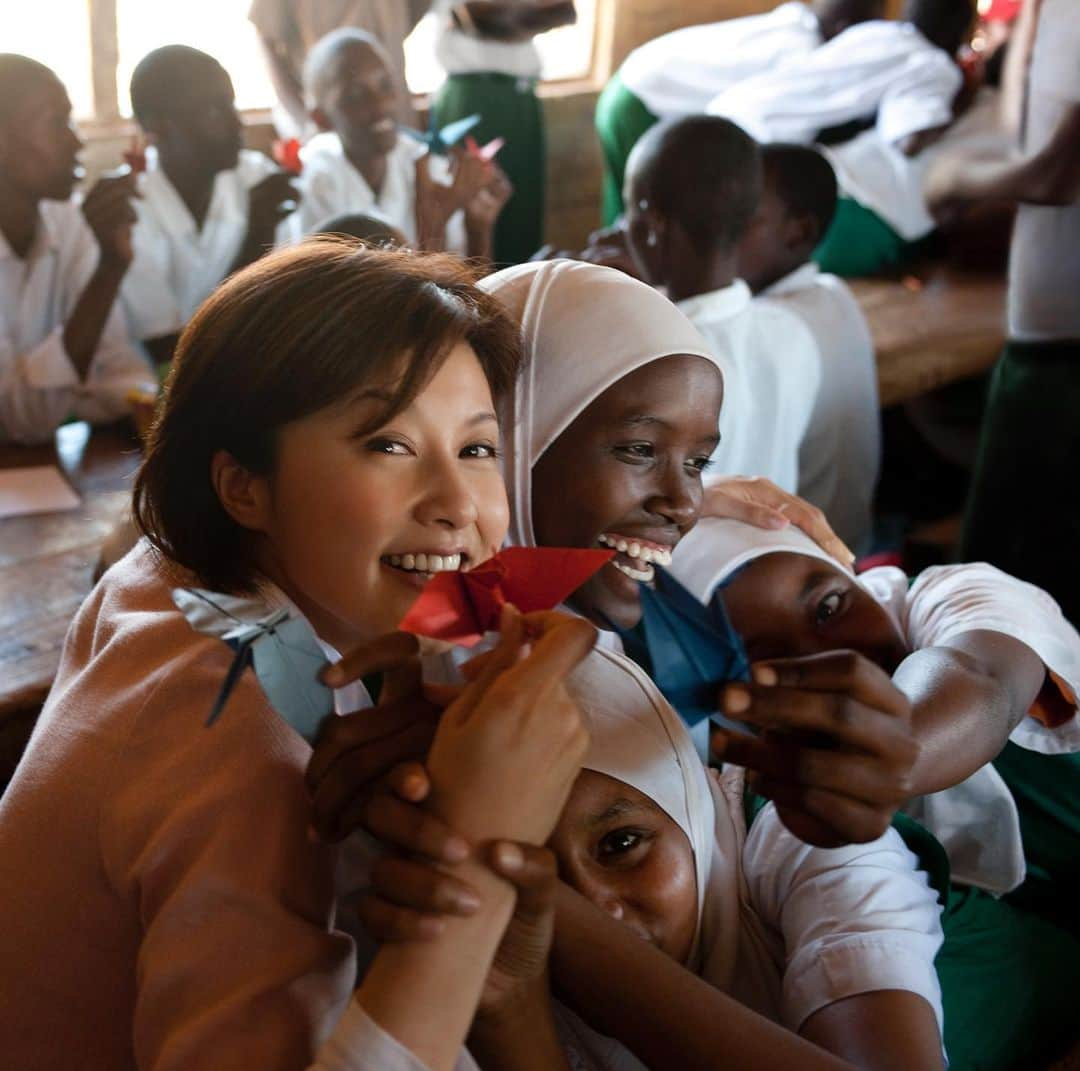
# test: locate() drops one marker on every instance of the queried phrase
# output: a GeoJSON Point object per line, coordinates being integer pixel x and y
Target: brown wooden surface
{"type": "Point", "coordinates": [934, 327]}
{"type": "Point", "coordinates": [47, 561]}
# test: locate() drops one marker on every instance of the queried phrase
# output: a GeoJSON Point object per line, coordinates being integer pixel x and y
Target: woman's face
{"type": "Point", "coordinates": [355, 522]}
{"type": "Point", "coordinates": [621, 851]}
{"type": "Point", "coordinates": [626, 475]}
{"type": "Point", "coordinates": [789, 605]}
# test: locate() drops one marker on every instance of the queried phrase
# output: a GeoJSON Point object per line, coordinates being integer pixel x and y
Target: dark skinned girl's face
{"type": "Point", "coordinates": [626, 475]}
{"type": "Point", "coordinates": [620, 850]}
{"type": "Point", "coordinates": [791, 605]}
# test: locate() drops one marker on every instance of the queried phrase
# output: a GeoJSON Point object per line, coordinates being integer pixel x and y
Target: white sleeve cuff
{"type": "Point", "coordinates": [47, 366]}
{"type": "Point", "coordinates": [358, 1043]}
{"type": "Point", "coordinates": [819, 976]}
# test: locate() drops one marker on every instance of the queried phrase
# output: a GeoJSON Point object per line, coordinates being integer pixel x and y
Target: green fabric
{"type": "Point", "coordinates": [859, 242]}
{"type": "Point", "coordinates": [510, 110]}
{"type": "Point", "coordinates": [621, 119]}
{"type": "Point", "coordinates": [1047, 793]}
{"type": "Point", "coordinates": [1021, 515]}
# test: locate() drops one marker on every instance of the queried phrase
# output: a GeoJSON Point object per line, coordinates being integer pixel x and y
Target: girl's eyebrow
{"type": "Point", "coordinates": [619, 809]}
{"type": "Point", "coordinates": [485, 416]}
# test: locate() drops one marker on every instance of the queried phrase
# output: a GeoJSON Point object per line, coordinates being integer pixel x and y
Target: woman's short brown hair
{"type": "Point", "coordinates": [296, 332]}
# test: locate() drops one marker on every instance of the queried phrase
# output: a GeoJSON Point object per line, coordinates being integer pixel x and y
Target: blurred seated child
{"type": "Point", "coordinates": [63, 347]}
{"type": "Point", "coordinates": [991, 670]}
{"type": "Point", "coordinates": [361, 162]}
{"type": "Point", "coordinates": [679, 73]}
{"type": "Point", "coordinates": [840, 455]}
{"type": "Point", "coordinates": [692, 187]}
{"type": "Point", "coordinates": [371, 230]}
{"type": "Point", "coordinates": [206, 205]}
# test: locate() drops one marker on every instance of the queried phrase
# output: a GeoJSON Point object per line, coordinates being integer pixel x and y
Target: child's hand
{"type": "Point", "coordinates": [484, 209]}
{"type": "Point", "coordinates": [838, 749]}
{"type": "Point", "coordinates": [356, 752]}
{"type": "Point", "coordinates": [111, 215]}
{"type": "Point", "coordinates": [269, 202]}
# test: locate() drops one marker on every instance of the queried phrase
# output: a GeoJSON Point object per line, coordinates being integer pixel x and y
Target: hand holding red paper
{"type": "Point", "coordinates": [460, 607]}
{"type": "Point", "coordinates": [286, 153]}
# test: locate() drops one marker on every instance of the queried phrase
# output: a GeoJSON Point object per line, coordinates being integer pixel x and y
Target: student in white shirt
{"type": "Point", "coordinates": [692, 186]}
{"type": "Point", "coordinates": [1030, 435]}
{"type": "Point", "coordinates": [492, 67]}
{"type": "Point", "coordinates": [984, 662]}
{"type": "Point", "coordinates": [361, 162]}
{"type": "Point", "coordinates": [841, 453]}
{"type": "Point", "coordinates": [63, 348]}
{"type": "Point", "coordinates": [206, 205]}
{"type": "Point", "coordinates": [679, 73]}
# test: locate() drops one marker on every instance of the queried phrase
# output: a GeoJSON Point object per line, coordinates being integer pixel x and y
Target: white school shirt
{"type": "Point", "coordinates": [178, 264]}
{"type": "Point", "coordinates": [977, 821]}
{"type": "Point", "coordinates": [463, 53]}
{"type": "Point", "coordinates": [772, 375]}
{"type": "Point", "coordinates": [39, 387]}
{"type": "Point", "coordinates": [841, 453]}
{"type": "Point", "coordinates": [1044, 264]}
{"type": "Point", "coordinates": [330, 186]}
{"type": "Point", "coordinates": [679, 73]}
{"type": "Point", "coordinates": [882, 67]}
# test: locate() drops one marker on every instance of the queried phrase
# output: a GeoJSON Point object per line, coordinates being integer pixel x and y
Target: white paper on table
{"type": "Point", "coordinates": [37, 489]}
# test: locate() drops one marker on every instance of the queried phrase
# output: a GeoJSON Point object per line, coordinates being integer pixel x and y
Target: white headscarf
{"type": "Point", "coordinates": [716, 548]}
{"type": "Point", "coordinates": [637, 738]}
{"type": "Point", "coordinates": [583, 328]}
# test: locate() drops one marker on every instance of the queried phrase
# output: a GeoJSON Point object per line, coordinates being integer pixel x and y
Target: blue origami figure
{"type": "Point", "coordinates": [690, 650]}
{"type": "Point", "coordinates": [442, 140]}
{"type": "Point", "coordinates": [281, 647]}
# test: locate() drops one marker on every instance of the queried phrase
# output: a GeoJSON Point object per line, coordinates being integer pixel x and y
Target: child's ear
{"type": "Point", "coordinates": [801, 233]}
{"type": "Point", "coordinates": [243, 495]}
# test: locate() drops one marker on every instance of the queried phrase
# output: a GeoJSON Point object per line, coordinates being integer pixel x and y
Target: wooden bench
{"type": "Point", "coordinates": [934, 327]}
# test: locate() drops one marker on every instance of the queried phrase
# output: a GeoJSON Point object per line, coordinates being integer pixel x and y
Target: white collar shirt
{"type": "Point", "coordinates": [39, 386]}
{"type": "Point", "coordinates": [678, 73]}
{"type": "Point", "coordinates": [772, 374]}
{"type": "Point", "coordinates": [882, 68]}
{"type": "Point", "coordinates": [177, 263]}
{"type": "Point", "coordinates": [840, 455]}
{"type": "Point", "coordinates": [331, 185]}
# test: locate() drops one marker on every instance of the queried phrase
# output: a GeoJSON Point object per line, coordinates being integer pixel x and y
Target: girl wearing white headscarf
{"type": "Point", "coordinates": [785, 928]}
{"type": "Point", "coordinates": [961, 641]}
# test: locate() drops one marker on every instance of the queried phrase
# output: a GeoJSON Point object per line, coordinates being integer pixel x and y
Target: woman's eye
{"type": "Point", "coordinates": [480, 450]}
{"type": "Point", "coordinates": [636, 451]}
{"type": "Point", "coordinates": [386, 446]}
{"type": "Point", "coordinates": [619, 842]}
{"type": "Point", "coordinates": [829, 607]}
{"type": "Point", "coordinates": [700, 464]}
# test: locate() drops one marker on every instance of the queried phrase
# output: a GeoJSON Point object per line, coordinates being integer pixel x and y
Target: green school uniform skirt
{"type": "Point", "coordinates": [621, 119]}
{"type": "Point", "coordinates": [859, 242]}
{"type": "Point", "coordinates": [511, 110]}
{"type": "Point", "coordinates": [1021, 513]}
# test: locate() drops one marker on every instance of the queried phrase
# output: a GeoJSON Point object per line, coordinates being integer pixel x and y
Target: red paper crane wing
{"type": "Point", "coordinates": [460, 607]}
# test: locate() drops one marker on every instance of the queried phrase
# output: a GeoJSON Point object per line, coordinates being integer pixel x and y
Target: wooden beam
{"type": "Point", "coordinates": [104, 57]}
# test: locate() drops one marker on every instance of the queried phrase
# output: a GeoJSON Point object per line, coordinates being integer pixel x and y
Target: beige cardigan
{"type": "Point", "coordinates": [162, 904]}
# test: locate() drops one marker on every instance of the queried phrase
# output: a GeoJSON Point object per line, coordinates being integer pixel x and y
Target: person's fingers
{"type": "Point", "coordinates": [736, 508]}
{"type": "Point", "coordinates": [422, 887]}
{"type": "Point", "coordinates": [340, 734]}
{"type": "Point", "coordinates": [411, 828]}
{"type": "Point", "coordinates": [409, 781]}
{"type": "Point", "coordinates": [380, 655]}
{"type": "Point", "coordinates": [389, 924]}
{"type": "Point", "coordinates": [814, 523]}
{"type": "Point", "coordinates": [740, 749]}
{"type": "Point", "coordinates": [845, 672]}
{"type": "Point", "coordinates": [440, 695]}
{"type": "Point", "coordinates": [855, 821]}
{"type": "Point", "coordinates": [835, 715]}
{"type": "Point", "coordinates": [532, 871]}
{"type": "Point", "coordinates": [500, 658]}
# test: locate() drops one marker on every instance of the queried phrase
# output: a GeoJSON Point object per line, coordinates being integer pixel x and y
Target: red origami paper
{"type": "Point", "coordinates": [287, 155]}
{"type": "Point", "coordinates": [135, 157]}
{"type": "Point", "coordinates": [487, 152]}
{"type": "Point", "coordinates": [460, 607]}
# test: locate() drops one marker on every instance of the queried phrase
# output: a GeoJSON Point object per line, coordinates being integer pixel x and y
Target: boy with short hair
{"type": "Point", "coordinates": [206, 207]}
{"type": "Point", "coordinates": [678, 74]}
{"type": "Point", "coordinates": [63, 347]}
{"type": "Point", "coordinates": [841, 454]}
{"type": "Point", "coordinates": [361, 162]}
{"type": "Point", "coordinates": [692, 187]}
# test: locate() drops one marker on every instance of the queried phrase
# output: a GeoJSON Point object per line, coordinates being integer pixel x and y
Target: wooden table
{"type": "Point", "coordinates": [934, 327]}
{"type": "Point", "coordinates": [47, 561]}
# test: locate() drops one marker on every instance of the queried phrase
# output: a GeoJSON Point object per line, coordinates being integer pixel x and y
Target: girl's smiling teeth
{"type": "Point", "coordinates": [636, 556]}
{"type": "Point", "coordinates": [426, 563]}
